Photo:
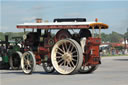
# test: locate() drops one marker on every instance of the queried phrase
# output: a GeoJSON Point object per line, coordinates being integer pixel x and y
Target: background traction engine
{"type": "Point", "coordinates": [11, 53]}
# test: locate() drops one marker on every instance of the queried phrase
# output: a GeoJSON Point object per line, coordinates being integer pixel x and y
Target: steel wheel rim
{"type": "Point", "coordinates": [65, 56]}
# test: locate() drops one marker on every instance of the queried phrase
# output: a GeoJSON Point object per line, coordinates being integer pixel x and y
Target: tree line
{"type": "Point", "coordinates": [113, 37]}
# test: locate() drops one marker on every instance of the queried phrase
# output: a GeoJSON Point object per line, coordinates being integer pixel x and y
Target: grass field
{"type": "Point", "coordinates": [114, 55]}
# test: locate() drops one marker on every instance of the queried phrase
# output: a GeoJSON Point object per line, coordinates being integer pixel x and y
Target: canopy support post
{"type": "Point", "coordinates": [93, 31]}
{"type": "Point", "coordinates": [24, 31]}
{"type": "Point", "coordinates": [100, 32]}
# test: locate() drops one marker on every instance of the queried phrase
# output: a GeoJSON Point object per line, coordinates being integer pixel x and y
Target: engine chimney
{"type": "Point", "coordinates": [39, 20]}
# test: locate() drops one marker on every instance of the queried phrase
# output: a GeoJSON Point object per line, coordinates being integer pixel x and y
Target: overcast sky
{"type": "Point", "coordinates": [114, 13]}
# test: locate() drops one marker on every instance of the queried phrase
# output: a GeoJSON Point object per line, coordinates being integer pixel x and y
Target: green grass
{"type": "Point", "coordinates": [114, 55]}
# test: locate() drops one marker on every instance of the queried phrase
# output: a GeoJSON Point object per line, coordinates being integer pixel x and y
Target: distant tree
{"type": "Point", "coordinates": [126, 35]}
{"type": "Point", "coordinates": [105, 37]}
{"type": "Point", "coordinates": [115, 37]}
{"type": "Point", "coordinates": [1, 36]}
{"type": "Point", "coordinates": [112, 37]}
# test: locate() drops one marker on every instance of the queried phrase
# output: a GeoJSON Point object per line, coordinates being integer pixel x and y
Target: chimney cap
{"type": "Point", "coordinates": [38, 20]}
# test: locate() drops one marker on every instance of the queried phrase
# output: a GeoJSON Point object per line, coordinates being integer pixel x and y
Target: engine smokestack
{"type": "Point", "coordinates": [39, 20]}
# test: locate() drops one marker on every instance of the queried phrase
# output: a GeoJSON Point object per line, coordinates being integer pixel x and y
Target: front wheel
{"type": "Point", "coordinates": [88, 69]}
{"type": "Point", "coordinates": [28, 62]}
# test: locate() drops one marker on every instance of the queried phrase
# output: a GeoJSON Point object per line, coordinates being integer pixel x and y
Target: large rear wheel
{"type": "Point", "coordinates": [28, 62]}
{"type": "Point", "coordinates": [66, 56]}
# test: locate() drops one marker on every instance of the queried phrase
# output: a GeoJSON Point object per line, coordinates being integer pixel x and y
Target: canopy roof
{"type": "Point", "coordinates": [63, 25]}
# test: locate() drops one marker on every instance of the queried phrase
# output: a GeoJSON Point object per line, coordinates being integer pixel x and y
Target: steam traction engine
{"type": "Point", "coordinates": [64, 52]}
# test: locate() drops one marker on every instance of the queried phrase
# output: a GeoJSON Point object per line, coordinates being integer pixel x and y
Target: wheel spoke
{"type": "Point", "coordinates": [72, 63]}
{"type": "Point", "coordinates": [60, 49]}
{"type": "Point", "coordinates": [74, 59]}
{"type": "Point", "coordinates": [69, 47]}
{"type": "Point", "coordinates": [60, 60]}
{"type": "Point", "coordinates": [63, 48]}
{"type": "Point", "coordinates": [30, 57]}
{"type": "Point", "coordinates": [62, 63]}
{"type": "Point", "coordinates": [59, 53]}
{"type": "Point", "coordinates": [25, 66]}
{"type": "Point", "coordinates": [72, 49]}
{"type": "Point", "coordinates": [75, 56]}
{"type": "Point", "coordinates": [69, 64]}
{"type": "Point", "coordinates": [58, 56]}
{"type": "Point", "coordinates": [25, 61]}
{"type": "Point", "coordinates": [29, 65]}
{"type": "Point", "coordinates": [25, 58]}
{"type": "Point", "coordinates": [74, 52]}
